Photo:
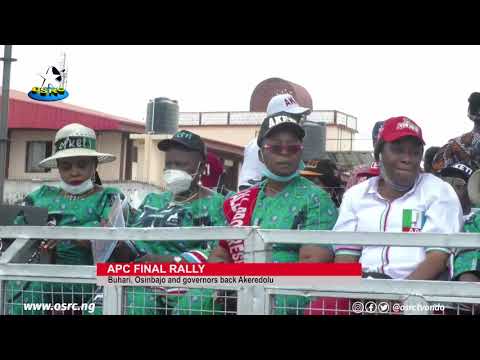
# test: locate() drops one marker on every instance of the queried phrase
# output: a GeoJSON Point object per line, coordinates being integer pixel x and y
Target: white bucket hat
{"type": "Point", "coordinates": [75, 140]}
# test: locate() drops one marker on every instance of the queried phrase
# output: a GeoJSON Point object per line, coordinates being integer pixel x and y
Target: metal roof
{"type": "Point", "coordinates": [347, 160]}
{"type": "Point", "coordinates": [26, 113]}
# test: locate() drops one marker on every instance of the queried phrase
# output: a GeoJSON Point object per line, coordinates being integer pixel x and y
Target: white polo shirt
{"type": "Point", "coordinates": [430, 206]}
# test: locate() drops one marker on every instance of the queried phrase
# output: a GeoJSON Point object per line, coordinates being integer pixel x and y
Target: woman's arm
{"type": "Point", "coordinates": [314, 253]}
{"type": "Point", "coordinates": [347, 221]}
{"type": "Point", "coordinates": [346, 258]}
{"type": "Point", "coordinates": [219, 255]}
{"type": "Point", "coordinates": [432, 267]}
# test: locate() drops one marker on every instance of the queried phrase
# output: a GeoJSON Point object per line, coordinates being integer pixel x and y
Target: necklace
{"type": "Point", "coordinates": [79, 196]}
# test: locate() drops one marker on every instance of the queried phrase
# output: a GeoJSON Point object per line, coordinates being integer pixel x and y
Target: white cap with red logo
{"type": "Point", "coordinates": [253, 168]}
{"type": "Point", "coordinates": [285, 103]}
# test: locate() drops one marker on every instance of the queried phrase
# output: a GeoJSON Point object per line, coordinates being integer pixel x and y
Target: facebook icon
{"type": "Point", "coordinates": [370, 307]}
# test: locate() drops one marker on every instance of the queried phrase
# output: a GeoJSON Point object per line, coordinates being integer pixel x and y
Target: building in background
{"type": "Point", "coordinates": [33, 124]}
{"type": "Point", "coordinates": [31, 132]}
{"type": "Point", "coordinates": [227, 133]}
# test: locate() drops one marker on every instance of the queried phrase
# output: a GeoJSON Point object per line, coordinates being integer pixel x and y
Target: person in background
{"type": "Point", "coordinates": [212, 172]}
{"type": "Point", "coordinates": [284, 200]}
{"type": "Point", "coordinates": [323, 173]}
{"type": "Point", "coordinates": [186, 203]}
{"type": "Point", "coordinates": [213, 176]}
{"type": "Point", "coordinates": [253, 168]}
{"type": "Point", "coordinates": [365, 171]}
{"type": "Point", "coordinates": [78, 201]}
{"type": "Point", "coordinates": [466, 265]}
{"type": "Point", "coordinates": [465, 148]}
{"type": "Point", "coordinates": [362, 173]}
{"type": "Point", "coordinates": [428, 158]}
{"type": "Point", "coordinates": [457, 175]}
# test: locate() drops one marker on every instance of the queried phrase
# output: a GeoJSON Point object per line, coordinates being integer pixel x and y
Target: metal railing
{"type": "Point", "coordinates": [258, 248]}
{"type": "Point", "coordinates": [256, 118]}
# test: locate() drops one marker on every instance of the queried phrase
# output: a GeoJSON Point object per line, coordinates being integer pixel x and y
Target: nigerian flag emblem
{"type": "Point", "coordinates": [413, 220]}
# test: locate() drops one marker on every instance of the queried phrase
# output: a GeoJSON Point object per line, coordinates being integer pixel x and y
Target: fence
{"type": "Point", "coordinates": [256, 118]}
{"type": "Point", "coordinates": [364, 296]}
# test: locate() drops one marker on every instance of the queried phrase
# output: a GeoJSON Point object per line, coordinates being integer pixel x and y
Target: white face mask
{"type": "Point", "coordinates": [177, 181]}
{"type": "Point", "coordinates": [87, 185]}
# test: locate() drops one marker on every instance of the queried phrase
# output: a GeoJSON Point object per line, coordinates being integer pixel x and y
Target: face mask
{"type": "Point", "coordinates": [386, 178]}
{"type": "Point", "coordinates": [474, 117]}
{"type": "Point", "coordinates": [87, 185]}
{"type": "Point", "coordinates": [177, 181]}
{"type": "Point", "coordinates": [266, 172]}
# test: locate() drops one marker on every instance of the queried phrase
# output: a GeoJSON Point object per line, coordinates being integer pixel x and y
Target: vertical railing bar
{"type": "Point", "coordinates": [2, 297]}
{"type": "Point", "coordinates": [112, 300]}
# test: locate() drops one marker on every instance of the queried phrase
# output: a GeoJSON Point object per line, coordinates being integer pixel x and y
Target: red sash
{"type": "Point", "coordinates": [238, 210]}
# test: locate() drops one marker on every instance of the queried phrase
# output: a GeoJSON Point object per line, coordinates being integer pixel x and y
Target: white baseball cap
{"type": "Point", "coordinates": [75, 140]}
{"type": "Point", "coordinates": [285, 103]}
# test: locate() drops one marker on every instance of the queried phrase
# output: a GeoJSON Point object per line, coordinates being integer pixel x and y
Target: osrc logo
{"type": "Point", "coordinates": [53, 85]}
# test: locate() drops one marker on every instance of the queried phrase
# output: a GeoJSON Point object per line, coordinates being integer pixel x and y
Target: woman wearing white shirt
{"type": "Point", "coordinates": [401, 199]}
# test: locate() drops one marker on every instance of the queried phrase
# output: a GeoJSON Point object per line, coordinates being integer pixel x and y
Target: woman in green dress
{"type": "Point", "coordinates": [78, 201]}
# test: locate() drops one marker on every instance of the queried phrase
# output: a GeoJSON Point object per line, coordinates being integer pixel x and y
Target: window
{"type": "Point", "coordinates": [134, 154]}
{"type": "Point", "coordinates": [36, 152]}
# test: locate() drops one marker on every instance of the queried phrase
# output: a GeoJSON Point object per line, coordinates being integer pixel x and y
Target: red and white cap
{"type": "Point", "coordinates": [373, 170]}
{"type": "Point", "coordinates": [399, 127]}
{"type": "Point", "coordinates": [213, 170]}
{"type": "Point", "coordinates": [285, 103]}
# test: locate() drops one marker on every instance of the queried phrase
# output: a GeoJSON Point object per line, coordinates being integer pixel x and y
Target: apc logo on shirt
{"type": "Point", "coordinates": [413, 220]}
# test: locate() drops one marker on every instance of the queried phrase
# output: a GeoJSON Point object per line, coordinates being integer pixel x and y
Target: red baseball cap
{"type": "Point", "coordinates": [373, 170]}
{"type": "Point", "coordinates": [213, 170]}
{"type": "Point", "coordinates": [399, 127]}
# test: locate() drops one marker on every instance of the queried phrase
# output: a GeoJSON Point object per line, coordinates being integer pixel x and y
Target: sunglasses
{"type": "Point", "coordinates": [290, 149]}
{"type": "Point", "coordinates": [457, 183]}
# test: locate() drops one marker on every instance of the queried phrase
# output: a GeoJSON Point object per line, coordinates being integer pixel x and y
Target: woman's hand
{"type": "Point", "coordinates": [48, 245]}
{"type": "Point", "coordinates": [219, 255]}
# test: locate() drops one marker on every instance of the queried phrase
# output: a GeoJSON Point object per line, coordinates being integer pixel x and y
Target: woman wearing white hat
{"type": "Point", "coordinates": [78, 201]}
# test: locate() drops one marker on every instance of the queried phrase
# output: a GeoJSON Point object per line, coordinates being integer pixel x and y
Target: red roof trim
{"type": "Point", "coordinates": [25, 113]}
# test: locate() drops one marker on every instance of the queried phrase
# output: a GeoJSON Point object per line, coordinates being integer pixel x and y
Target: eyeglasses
{"type": "Point", "coordinates": [457, 183]}
{"type": "Point", "coordinates": [290, 149]}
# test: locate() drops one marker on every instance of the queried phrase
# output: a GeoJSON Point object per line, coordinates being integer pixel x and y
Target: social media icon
{"type": "Point", "coordinates": [371, 307]}
{"type": "Point", "coordinates": [357, 307]}
{"type": "Point", "coordinates": [383, 307]}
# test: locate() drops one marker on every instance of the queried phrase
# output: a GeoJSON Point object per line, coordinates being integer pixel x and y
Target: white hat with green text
{"type": "Point", "coordinates": [75, 140]}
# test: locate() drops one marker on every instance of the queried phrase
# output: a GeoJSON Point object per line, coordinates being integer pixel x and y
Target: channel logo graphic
{"type": "Point", "coordinates": [53, 86]}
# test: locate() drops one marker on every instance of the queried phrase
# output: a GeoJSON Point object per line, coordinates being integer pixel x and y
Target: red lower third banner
{"type": "Point", "coordinates": [225, 275]}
